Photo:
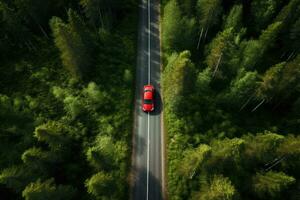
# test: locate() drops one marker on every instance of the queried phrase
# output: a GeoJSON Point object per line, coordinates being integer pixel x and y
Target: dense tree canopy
{"type": "Point", "coordinates": [233, 127]}
{"type": "Point", "coordinates": [64, 133]}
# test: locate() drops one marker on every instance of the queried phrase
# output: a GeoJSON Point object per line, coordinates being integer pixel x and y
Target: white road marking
{"type": "Point", "coordinates": [148, 150]}
{"type": "Point", "coordinates": [149, 71]}
{"type": "Point", "coordinates": [149, 41]}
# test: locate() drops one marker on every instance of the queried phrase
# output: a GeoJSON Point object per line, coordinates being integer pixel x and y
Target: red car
{"type": "Point", "coordinates": [148, 98]}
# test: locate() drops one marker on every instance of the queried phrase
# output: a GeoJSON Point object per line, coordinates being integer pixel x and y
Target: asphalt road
{"type": "Point", "coordinates": [148, 136]}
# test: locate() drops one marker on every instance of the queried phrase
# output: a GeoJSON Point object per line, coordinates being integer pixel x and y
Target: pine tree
{"type": "Point", "coordinates": [271, 184]}
{"type": "Point", "coordinates": [101, 185]}
{"type": "Point", "coordinates": [188, 7]}
{"type": "Point", "coordinates": [178, 78]}
{"type": "Point", "coordinates": [234, 18]}
{"type": "Point", "coordinates": [270, 82]}
{"type": "Point", "coordinates": [227, 149]}
{"type": "Point", "coordinates": [172, 25]}
{"type": "Point", "coordinates": [279, 81]}
{"type": "Point", "coordinates": [254, 50]}
{"type": "Point", "coordinates": [288, 13]}
{"type": "Point", "coordinates": [56, 134]}
{"type": "Point", "coordinates": [262, 12]}
{"type": "Point", "coordinates": [17, 177]}
{"type": "Point", "coordinates": [295, 35]}
{"type": "Point", "coordinates": [106, 154]}
{"type": "Point", "coordinates": [222, 55]}
{"type": "Point", "coordinates": [47, 190]}
{"type": "Point", "coordinates": [193, 159]}
{"type": "Point", "coordinates": [94, 10]}
{"type": "Point", "coordinates": [203, 81]}
{"type": "Point", "coordinates": [262, 148]}
{"type": "Point", "coordinates": [74, 43]}
{"type": "Point", "coordinates": [37, 159]}
{"type": "Point", "coordinates": [209, 13]}
{"type": "Point", "coordinates": [290, 146]}
{"type": "Point", "coordinates": [220, 188]}
{"type": "Point", "coordinates": [242, 88]}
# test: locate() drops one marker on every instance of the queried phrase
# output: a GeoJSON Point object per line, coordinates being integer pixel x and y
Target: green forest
{"type": "Point", "coordinates": [66, 92]}
{"type": "Point", "coordinates": [231, 86]}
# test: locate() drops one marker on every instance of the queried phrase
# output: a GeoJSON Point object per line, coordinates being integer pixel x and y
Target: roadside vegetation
{"type": "Point", "coordinates": [66, 93]}
{"type": "Point", "coordinates": [231, 83]}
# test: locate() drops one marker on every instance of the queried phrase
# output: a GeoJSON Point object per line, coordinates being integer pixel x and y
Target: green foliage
{"type": "Point", "coordinates": [50, 115]}
{"type": "Point", "coordinates": [17, 177]}
{"type": "Point", "coordinates": [288, 12]}
{"type": "Point", "coordinates": [56, 134]}
{"type": "Point", "coordinates": [178, 79]}
{"type": "Point", "coordinates": [74, 44]}
{"type": "Point", "coordinates": [295, 34]}
{"type": "Point", "coordinates": [222, 53]}
{"type": "Point", "coordinates": [172, 16]}
{"type": "Point", "coordinates": [36, 158]}
{"type": "Point", "coordinates": [47, 190]}
{"type": "Point", "coordinates": [203, 81]}
{"type": "Point", "coordinates": [290, 146]}
{"type": "Point", "coordinates": [209, 12]}
{"type": "Point", "coordinates": [226, 154]}
{"type": "Point", "coordinates": [241, 98]}
{"type": "Point", "coordinates": [280, 80]}
{"type": "Point", "coordinates": [254, 50]}
{"type": "Point", "coordinates": [193, 159]}
{"type": "Point", "coordinates": [220, 188]}
{"type": "Point", "coordinates": [262, 148]}
{"type": "Point", "coordinates": [175, 35]}
{"type": "Point", "coordinates": [234, 18]}
{"type": "Point", "coordinates": [93, 11]}
{"type": "Point", "coordinates": [101, 186]}
{"type": "Point", "coordinates": [106, 154]}
{"type": "Point", "coordinates": [242, 88]}
{"type": "Point", "coordinates": [271, 184]}
{"type": "Point", "coordinates": [262, 12]}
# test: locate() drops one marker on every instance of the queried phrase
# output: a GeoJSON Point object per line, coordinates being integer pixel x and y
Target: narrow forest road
{"type": "Point", "coordinates": [148, 137]}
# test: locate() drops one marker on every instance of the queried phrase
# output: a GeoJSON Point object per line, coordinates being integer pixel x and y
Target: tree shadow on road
{"type": "Point", "coordinates": [139, 186]}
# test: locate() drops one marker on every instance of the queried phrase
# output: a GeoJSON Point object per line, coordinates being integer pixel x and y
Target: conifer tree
{"type": "Point", "coordinates": [94, 10]}
{"type": "Point", "coordinates": [242, 88]}
{"type": "Point", "coordinates": [262, 12]}
{"type": "Point", "coordinates": [101, 185]}
{"type": "Point", "coordinates": [234, 18]}
{"type": "Point", "coordinates": [172, 25]}
{"type": "Point", "coordinates": [262, 147]}
{"type": "Point", "coordinates": [209, 13]}
{"type": "Point", "coordinates": [179, 76]}
{"type": "Point", "coordinates": [74, 43]}
{"type": "Point", "coordinates": [47, 190]}
{"type": "Point", "coordinates": [254, 50]}
{"type": "Point", "coordinates": [222, 55]}
{"type": "Point", "coordinates": [56, 134]}
{"type": "Point", "coordinates": [271, 184]}
{"type": "Point", "coordinates": [219, 188]}
{"type": "Point", "coordinates": [193, 159]}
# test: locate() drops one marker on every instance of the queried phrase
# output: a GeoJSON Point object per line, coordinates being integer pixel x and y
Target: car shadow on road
{"type": "Point", "coordinates": [158, 104]}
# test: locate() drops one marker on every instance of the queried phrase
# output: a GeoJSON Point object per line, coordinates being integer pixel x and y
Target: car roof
{"type": "Point", "coordinates": [148, 95]}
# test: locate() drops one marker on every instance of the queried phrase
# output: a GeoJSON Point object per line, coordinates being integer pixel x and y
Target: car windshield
{"type": "Point", "coordinates": [147, 101]}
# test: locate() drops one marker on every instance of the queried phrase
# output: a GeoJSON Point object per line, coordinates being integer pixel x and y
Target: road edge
{"type": "Point", "coordinates": [163, 136]}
